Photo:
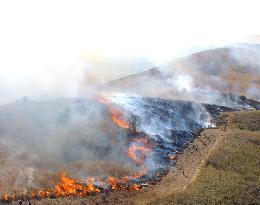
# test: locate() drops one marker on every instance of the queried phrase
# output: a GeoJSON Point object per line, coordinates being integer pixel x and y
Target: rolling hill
{"type": "Point", "coordinates": [232, 69]}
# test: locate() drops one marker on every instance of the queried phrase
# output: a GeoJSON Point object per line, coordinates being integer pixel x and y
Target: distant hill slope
{"type": "Point", "coordinates": [144, 83]}
{"type": "Point", "coordinates": [243, 58]}
{"type": "Point", "coordinates": [233, 69]}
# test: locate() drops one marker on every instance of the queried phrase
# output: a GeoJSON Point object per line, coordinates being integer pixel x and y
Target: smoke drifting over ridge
{"type": "Point", "coordinates": [74, 79]}
{"type": "Point", "coordinates": [65, 64]}
{"type": "Point", "coordinates": [77, 135]}
{"type": "Point", "coordinates": [201, 76]}
{"type": "Point", "coordinates": [232, 69]}
{"type": "Point", "coordinates": [215, 67]}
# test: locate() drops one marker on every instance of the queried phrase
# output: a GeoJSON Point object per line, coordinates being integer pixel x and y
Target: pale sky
{"type": "Point", "coordinates": [46, 45]}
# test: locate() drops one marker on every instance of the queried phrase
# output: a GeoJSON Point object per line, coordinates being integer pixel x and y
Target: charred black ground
{"type": "Point", "coordinates": [172, 124]}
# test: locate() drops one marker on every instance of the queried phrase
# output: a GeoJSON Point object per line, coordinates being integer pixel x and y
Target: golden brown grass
{"type": "Point", "coordinates": [231, 174]}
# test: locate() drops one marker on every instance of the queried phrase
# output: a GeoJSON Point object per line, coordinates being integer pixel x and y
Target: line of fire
{"type": "Point", "coordinates": [141, 146]}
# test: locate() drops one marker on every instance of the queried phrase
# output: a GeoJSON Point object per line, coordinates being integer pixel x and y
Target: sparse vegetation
{"type": "Point", "coordinates": [245, 120]}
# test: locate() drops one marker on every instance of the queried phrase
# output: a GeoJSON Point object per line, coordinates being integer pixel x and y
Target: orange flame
{"type": "Point", "coordinates": [6, 197]}
{"type": "Point", "coordinates": [118, 119]}
{"type": "Point", "coordinates": [139, 149]}
{"type": "Point", "coordinates": [69, 186]}
{"type": "Point", "coordinates": [117, 116]}
{"type": "Point", "coordinates": [173, 157]}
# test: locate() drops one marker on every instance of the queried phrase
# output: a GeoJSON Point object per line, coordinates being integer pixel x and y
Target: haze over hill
{"type": "Point", "coordinates": [232, 69]}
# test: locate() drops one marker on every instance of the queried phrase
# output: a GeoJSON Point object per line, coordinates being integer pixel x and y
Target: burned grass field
{"type": "Point", "coordinates": [138, 143]}
{"type": "Point", "coordinates": [219, 165]}
{"type": "Point", "coordinates": [129, 102]}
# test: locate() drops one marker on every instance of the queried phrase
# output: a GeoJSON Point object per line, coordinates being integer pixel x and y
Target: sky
{"type": "Point", "coordinates": [48, 47]}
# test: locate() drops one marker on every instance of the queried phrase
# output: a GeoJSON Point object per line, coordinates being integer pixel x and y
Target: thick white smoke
{"type": "Point", "coordinates": [71, 80]}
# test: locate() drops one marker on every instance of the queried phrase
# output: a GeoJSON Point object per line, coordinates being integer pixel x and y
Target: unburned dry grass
{"type": "Point", "coordinates": [231, 174]}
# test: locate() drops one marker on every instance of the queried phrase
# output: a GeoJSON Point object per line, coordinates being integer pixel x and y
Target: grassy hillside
{"type": "Point", "coordinates": [221, 166]}
{"type": "Point", "coordinates": [229, 69]}
{"type": "Point", "coordinates": [231, 174]}
{"type": "Point", "coordinates": [245, 120]}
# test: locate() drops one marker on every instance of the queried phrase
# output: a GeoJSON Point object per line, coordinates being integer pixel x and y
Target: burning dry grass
{"type": "Point", "coordinates": [112, 176]}
{"type": "Point", "coordinates": [55, 186]}
{"type": "Point", "coordinates": [230, 174]}
{"type": "Point", "coordinates": [81, 178]}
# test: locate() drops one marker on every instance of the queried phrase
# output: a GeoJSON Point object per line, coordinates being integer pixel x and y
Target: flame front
{"type": "Point", "coordinates": [118, 119]}
{"type": "Point", "coordinates": [69, 186]}
{"type": "Point", "coordinates": [117, 115]}
{"type": "Point", "coordinates": [138, 151]}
